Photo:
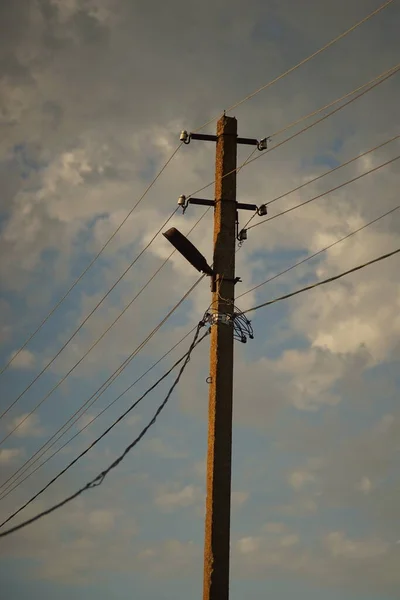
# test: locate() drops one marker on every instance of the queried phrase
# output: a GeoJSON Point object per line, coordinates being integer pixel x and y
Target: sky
{"type": "Point", "coordinates": [93, 96]}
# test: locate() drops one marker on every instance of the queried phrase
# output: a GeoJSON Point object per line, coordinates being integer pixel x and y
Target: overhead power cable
{"type": "Point", "coordinates": [98, 480]}
{"type": "Point", "coordinates": [337, 187]}
{"type": "Point", "coordinates": [110, 380]}
{"type": "Point", "coordinates": [89, 266]}
{"type": "Point", "coordinates": [302, 62]}
{"type": "Point", "coordinates": [392, 72]}
{"type": "Point", "coordinates": [107, 329]}
{"type": "Point", "coordinates": [318, 283]}
{"type": "Point", "coordinates": [372, 84]}
{"type": "Point", "coordinates": [90, 402]}
{"type": "Point", "coordinates": [20, 479]}
{"type": "Point", "coordinates": [304, 260]}
{"type": "Point", "coordinates": [14, 485]}
{"type": "Point", "coordinates": [303, 185]}
{"type": "Point", "coordinates": [80, 326]}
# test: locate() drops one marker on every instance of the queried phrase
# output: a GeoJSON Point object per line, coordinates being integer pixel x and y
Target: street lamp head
{"type": "Point", "coordinates": [188, 251]}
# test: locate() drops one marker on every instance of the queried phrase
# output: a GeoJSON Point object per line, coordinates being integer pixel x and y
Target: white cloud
{"type": "Point", "coordinates": [298, 479]}
{"type": "Point", "coordinates": [248, 545]}
{"type": "Point", "coordinates": [83, 421]}
{"type": "Point", "coordinates": [289, 540]}
{"type": "Point", "coordinates": [101, 521]}
{"type": "Point", "coordinates": [340, 545]}
{"type": "Point", "coordinates": [364, 485]}
{"type": "Point", "coordinates": [8, 455]}
{"type": "Point", "coordinates": [133, 420]}
{"type": "Point", "coordinates": [24, 360]}
{"type": "Point", "coordinates": [276, 528]}
{"type": "Point", "coordinates": [185, 497]}
{"type": "Point", "coordinates": [158, 447]}
{"type": "Point", "coordinates": [28, 426]}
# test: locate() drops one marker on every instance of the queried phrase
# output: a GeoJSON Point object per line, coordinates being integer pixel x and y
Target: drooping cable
{"type": "Point", "coordinates": [98, 480]}
{"type": "Point", "coordinates": [110, 380]}
{"type": "Point", "coordinates": [21, 479]}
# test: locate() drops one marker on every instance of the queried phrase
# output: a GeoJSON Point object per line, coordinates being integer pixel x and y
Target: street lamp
{"type": "Point", "coordinates": [188, 251]}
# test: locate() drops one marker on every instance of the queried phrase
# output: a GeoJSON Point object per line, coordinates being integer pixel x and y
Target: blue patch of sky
{"type": "Point", "coordinates": [274, 261]}
{"type": "Point", "coordinates": [269, 29]}
{"type": "Point", "coordinates": [28, 163]}
{"type": "Point", "coordinates": [326, 157]}
{"type": "Point", "coordinates": [150, 169]}
{"type": "Point", "coordinates": [369, 410]}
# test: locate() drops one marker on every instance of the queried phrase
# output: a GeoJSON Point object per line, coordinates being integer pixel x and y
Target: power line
{"type": "Point", "coordinates": [104, 433]}
{"type": "Point", "coordinates": [91, 263]}
{"type": "Point", "coordinates": [248, 160]}
{"type": "Point", "coordinates": [85, 407]}
{"type": "Point", "coordinates": [337, 187]}
{"type": "Point", "coordinates": [348, 162]}
{"type": "Point", "coordinates": [375, 82]}
{"type": "Point", "coordinates": [98, 480]}
{"type": "Point", "coordinates": [80, 360]}
{"type": "Point", "coordinates": [15, 484]}
{"type": "Point", "coordinates": [74, 334]}
{"type": "Point", "coordinates": [107, 329]}
{"type": "Point", "coordinates": [320, 251]}
{"type": "Point", "coordinates": [302, 62]}
{"type": "Point", "coordinates": [314, 285]}
{"type": "Point", "coordinates": [110, 380]}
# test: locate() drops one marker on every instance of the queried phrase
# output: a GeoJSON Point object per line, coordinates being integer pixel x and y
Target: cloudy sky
{"type": "Point", "coordinates": [93, 95]}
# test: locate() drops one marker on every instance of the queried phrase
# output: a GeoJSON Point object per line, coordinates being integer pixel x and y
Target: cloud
{"type": "Point", "coordinates": [27, 426]}
{"type": "Point", "coordinates": [84, 129]}
{"type": "Point", "coordinates": [239, 498]}
{"type": "Point", "coordinates": [8, 455]}
{"type": "Point", "coordinates": [25, 360]}
{"type": "Point", "coordinates": [170, 558]}
{"type": "Point", "coordinates": [183, 498]}
{"type": "Point", "coordinates": [276, 528]}
{"type": "Point", "coordinates": [364, 485]}
{"type": "Point", "coordinates": [84, 420]}
{"type": "Point", "coordinates": [341, 546]}
{"type": "Point", "coordinates": [299, 479]}
{"type": "Point", "coordinates": [101, 521]}
{"type": "Point", "coordinates": [248, 545]}
{"type": "Point", "coordinates": [333, 560]}
{"type": "Point", "coordinates": [159, 448]}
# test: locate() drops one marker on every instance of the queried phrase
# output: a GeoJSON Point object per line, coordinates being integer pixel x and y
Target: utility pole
{"type": "Point", "coordinates": [226, 326]}
{"type": "Point", "coordinates": [219, 454]}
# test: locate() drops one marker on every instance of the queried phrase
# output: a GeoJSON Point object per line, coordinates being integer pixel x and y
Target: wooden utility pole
{"type": "Point", "coordinates": [219, 457]}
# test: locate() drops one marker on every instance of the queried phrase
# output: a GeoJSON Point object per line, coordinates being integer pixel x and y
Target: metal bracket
{"type": "Point", "coordinates": [220, 318]}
